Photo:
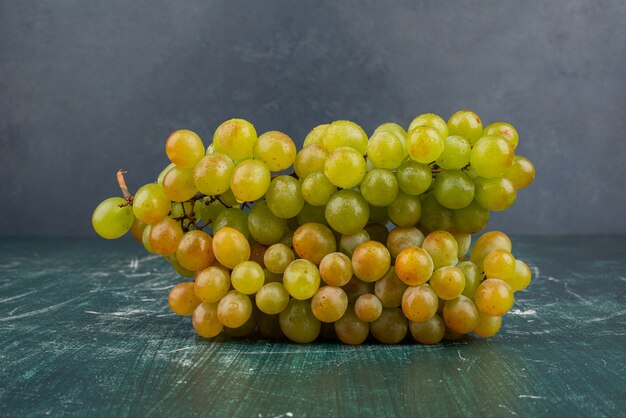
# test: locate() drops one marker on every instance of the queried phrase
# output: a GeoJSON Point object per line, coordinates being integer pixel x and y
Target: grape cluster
{"type": "Point", "coordinates": [364, 236]}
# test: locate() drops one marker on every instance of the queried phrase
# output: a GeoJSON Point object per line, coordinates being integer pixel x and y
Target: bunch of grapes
{"type": "Point", "coordinates": [348, 237]}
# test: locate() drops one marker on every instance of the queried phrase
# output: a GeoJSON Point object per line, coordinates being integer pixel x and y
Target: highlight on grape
{"type": "Point", "coordinates": [349, 237]}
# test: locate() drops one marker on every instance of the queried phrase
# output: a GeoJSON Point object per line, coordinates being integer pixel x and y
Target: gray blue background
{"type": "Point", "coordinates": [90, 87]}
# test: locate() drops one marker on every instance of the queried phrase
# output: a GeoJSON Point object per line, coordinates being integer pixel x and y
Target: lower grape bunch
{"type": "Point", "coordinates": [366, 236]}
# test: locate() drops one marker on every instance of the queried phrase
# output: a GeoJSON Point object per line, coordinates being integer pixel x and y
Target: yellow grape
{"type": "Point", "coordinates": [205, 320]}
{"type": "Point", "coordinates": [184, 148]}
{"type": "Point", "coordinates": [165, 236]}
{"type": "Point", "coordinates": [195, 250]}
{"type": "Point", "coordinates": [494, 297]}
{"type": "Point", "coordinates": [230, 247]}
{"type": "Point", "coordinates": [182, 299]}
{"type": "Point", "coordinates": [212, 284]}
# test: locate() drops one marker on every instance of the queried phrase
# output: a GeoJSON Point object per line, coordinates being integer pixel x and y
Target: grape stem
{"type": "Point", "coordinates": [122, 183]}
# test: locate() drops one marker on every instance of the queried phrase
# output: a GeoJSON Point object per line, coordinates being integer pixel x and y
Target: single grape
{"type": "Point", "coordinates": [463, 241]}
{"type": "Point", "coordinates": [448, 282]}
{"type": "Point", "coordinates": [521, 278]}
{"type": "Point", "coordinates": [212, 284]}
{"type": "Point", "coordinates": [386, 150]}
{"type": "Point", "coordinates": [230, 247]}
{"type": "Point", "coordinates": [453, 189]}
{"type": "Point", "coordinates": [272, 298]}
{"type": "Point", "coordinates": [211, 176]}
{"type": "Point", "coordinates": [379, 187]}
{"type": "Point", "coordinates": [442, 248]}
{"type": "Point", "coordinates": [298, 322]}
{"type": "Point", "coordinates": [488, 242]}
{"type": "Point", "coordinates": [205, 320]}
{"type": "Point", "coordinates": [428, 332]}
{"type": "Point", "coordinates": [163, 173]}
{"type": "Point", "coordinates": [145, 239]}
{"type": "Point", "coordinates": [400, 238]}
{"type": "Point", "coordinates": [264, 226]}
{"type": "Point", "coordinates": [505, 130]}
{"type": "Point", "coordinates": [424, 144]}
{"type": "Point", "coordinates": [228, 198]}
{"type": "Point", "coordinates": [471, 219]}
{"type": "Point", "coordinates": [405, 210]}
{"type": "Point", "coordinates": [233, 218]}
{"type": "Point", "coordinates": [460, 315]}
{"type": "Point", "coordinates": [313, 241]}
{"type": "Point", "coordinates": [392, 128]}
{"type": "Point", "coordinates": [494, 297]}
{"type": "Point", "coordinates": [284, 197]}
{"type": "Point", "coordinates": [434, 216]}
{"type": "Point", "coordinates": [182, 299]}
{"type": "Point", "coordinates": [389, 289]}
{"type": "Point", "coordinates": [137, 228]}
{"type": "Point", "coordinates": [309, 160]}
{"type": "Point", "coordinates": [275, 149]}
{"type": "Point", "coordinates": [195, 250]}
{"type": "Point", "coordinates": [165, 236]}
{"type": "Point", "coordinates": [184, 148]}
{"type": "Point", "coordinates": [247, 277]}
{"type": "Point", "coordinates": [277, 257]}
{"type": "Point", "coordinates": [370, 261]}
{"type": "Point", "coordinates": [456, 153]}
{"type": "Point", "coordinates": [391, 327]}
{"type": "Point", "coordinates": [350, 329]}
{"type": "Point", "coordinates": [316, 136]}
{"type": "Point", "coordinates": [414, 178]}
{"type": "Point", "coordinates": [347, 212]}
{"type": "Point", "coordinates": [235, 138]}
{"type": "Point", "coordinates": [151, 204]}
{"type": "Point", "coordinates": [430, 120]}
{"type": "Point", "coordinates": [414, 266]}
{"type": "Point", "coordinates": [473, 277]}
{"type": "Point", "coordinates": [345, 167]}
{"type": "Point", "coordinates": [368, 307]}
{"type": "Point", "coordinates": [317, 189]}
{"type": "Point", "coordinates": [329, 303]}
{"type": "Point", "coordinates": [347, 243]}
{"type": "Point", "coordinates": [499, 264]}
{"type": "Point", "coordinates": [301, 279]}
{"type": "Point", "coordinates": [112, 218]}
{"type": "Point", "coordinates": [343, 133]}
{"type": "Point", "coordinates": [495, 194]}
{"type": "Point", "coordinates": [336, 269]}
{"type": "Point", "coordinates": [234, 309]}
{"type": "Point", "coordinates": [488, 326]}
{"type": "Point", "coordinates": [419, 303]}
{"type": "Point", "coordinates": [467, 124]}
{"type": "Point", "coordinates": [250, 180]}
{"type": "Point", "coordinates": [491, 156]}
{"type": "Point", "coordinates": [521, 173]}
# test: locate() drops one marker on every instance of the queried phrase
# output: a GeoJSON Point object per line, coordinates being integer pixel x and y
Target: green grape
{"type": "Point", "coordinates": [434, 216]}
{"type": "Point", "coordinates": [463, 241]}
{"type": "Point", "coordinates": [414, 178]}
{"type": "Point", "coordinates": [273, 277]}
{"type": "Point", "coordinates": [505, 130]}
{"type": "Point", "coordinates": [379, 187]}
{"type": "Point", "coordinates": [301, 279]}
{"type": "Point", "coordinates": [419, 303]}
{"type": "Point", "coordinates": [145, 239]}
{"type": "Point", "coordinates": [211, 175]}
{"type": "Point", "coordinates": [228, 198]}
{"type": "Point", "coordinates": [209, 211]}
{"type": "Point", "coordinates": [453, 189]}
{"type": "Point", "coordinates": [494, 297]}
{"type": "Point", "coordinates": [347, 243]}
{"type": "Point", "coordinates": [521, 173]}
{"type": "Point", "coordinates": [313, 241]}
{"type": "Point", "coordinates": [329, 303]}
{"type": "Point", "coordinates": [350, 329]}
{"type": "Point", "coordinates": [347, 212]}
{"type": "Point", "coordinates": [182, 299]}
{"type": "Point", "coordinates": [499, 263]}
{"type": "Point", "coordinates": [178, 268]}
{"type": "Point", "coordinates": [400, 238]}
{"type": "Point", "coordinates": [178, 184]}
{"type": "Point", "coordinates": [151, 204]}
{"type": "Point", "coordinates": [247, 277]}
{"type": "Point", "coordinates": [495, 194]}
{"type": "Point", "coordinates": [265, 227]}
{"type": "Point", "coordinates": [164, 172]}
{"type": "Point", "coordinates": [487, 243]}
{"type": "Point", "coordinates": [210, 149]}
{"type": "Point", "coordinates": [212, 284]}
{"type": "Point", "coordinates": [378, 215]}
{"type": "Point", "coordinates": [393, 128]}
{"type": "Point", "coordinates": [491, 156]}
{"type": "Point", "coordinates": [317, 189]}
{"type": "Point", "coordinates": [345, 167]}
{"type": "Point", "coordinates": [370, 261]}
{"type": "Point", "coordinates": [356, 287]}
{"type": "Point", "coordinates": [448, 282]}
{"type": "Point", "coordinates": [428, 332]}
{"type": "Point", "coordinates": [250, 180]}
{"type": "Point", "coordinates": [181, 210]}
{"type": "Point", "coordinates": [343, 133]}
{"type": "Point", "coordinates": [110, 219]}
{"type": "Point", "coordinates": [456, 153]}
{"type": "Point", "coordinates": [442, 248]}
{"type": "Point", "coordinates": [471, 219]}
{"type": "Point", "coordinates": [272, 298]}
{"type": "Point", "coordinates": [234, 309]}
{"type": "Point", "coordinates": [205, 320]}
{"type": "Point", "coordinates": [425, 144]}
{"type": "Point", "coordinates": [235, 138]}
{"type": "Point", "coordinates": [391, 327]}
{"type": "Point", "coordinates": [488, 326]}
{"type": "Point", "coordinates": [284, 197]}
{"type": "Point", "coordinates": [315, 136]}
{"type": "Point", "coordinates": [275, 149]}
{"type": "Point", "coordinates": [467, 124]}
{"type": "Point", "coordinates": [230, 247]}
{"type": "Point", "coordinates": [165, 236]}
{"type": "Point", "coordinates": [309, 160]}
{"type": "Point", "coordinates": [308, 214]}
{"type": "Point", "coordinates": [405, 210]}
{"type": "Point", "coordinates": [336, 269]}
{"type": "Point", "coordinates": [386, 149]}
{"type": "Point", "coordinates": [277, 257]}
{"type": "Point", "coordinates": [473, 277]}
{"type": "Point", "coordinates": [430, 120]}
{"type": "Point", "coordinates": [377, 232]}
{"type": "Point", "coordinates": [521, 278]}
{"type": "Point", "coordinates": [368, 307]}
{"type": "Point", "coordinates": [195, 250]}
{"type": "Point", "coordinates": [389, 289]}
{"type": "Point", "coordinates": [298, 322]}
{"type": "Point", "coordinates": [184, 148]}
{"type": "Point", "coordinates": [233, 218]}
{"type": "Point", "coordinates": [137, 228]}
{"type": "Point", "coordinates": [460, 315]}
{"type": "Point", "coordinates": [269, 326]}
